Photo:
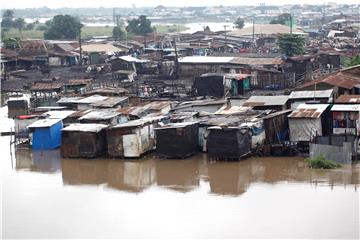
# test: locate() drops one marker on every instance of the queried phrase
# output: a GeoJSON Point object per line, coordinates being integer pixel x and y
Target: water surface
{"type": "Point", "coordinates": [45, 196]}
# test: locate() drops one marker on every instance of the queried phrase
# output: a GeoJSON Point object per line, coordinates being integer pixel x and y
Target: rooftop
{"type": "Point", "coordinates": [85, 127]}
{"type": "Point", "coordinates": [308, 111]}
{"type": "Point", "coordinates": [109, 102]}
{"type": "Point", "coordinates": [255, 101]}
{"type": "Point", "coordinates": [348, 99]}
{"type": "Point", "coordinates": [346, 107]}
{"type": "Point", "coordinates": [265, 29]}
{"type": "Point", "coordinates": [42, 123]}
{"type": "Point", "coordinates": [311, 94]}
{"type": "Point", "coordinates": [101, 114]}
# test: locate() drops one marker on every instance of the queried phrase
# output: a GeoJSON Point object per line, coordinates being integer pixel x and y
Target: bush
{"type": "Point", "coordinates": [322, 163]}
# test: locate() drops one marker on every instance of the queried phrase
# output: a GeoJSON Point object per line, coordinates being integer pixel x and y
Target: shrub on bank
{"type": "Point", "coordinates": [321, 162]}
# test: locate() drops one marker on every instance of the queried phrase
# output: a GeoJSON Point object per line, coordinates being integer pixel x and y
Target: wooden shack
{"type": "Point", "coordinates": [229, 143]}
{"type": "Point", "coordinates": [83, 140]}
{"type": "Point", "coordinates": [132, 139]}
{"type": "Point", "coordinates": [17, 108]}
{"type": "Point", "coordinates": [177, 140]}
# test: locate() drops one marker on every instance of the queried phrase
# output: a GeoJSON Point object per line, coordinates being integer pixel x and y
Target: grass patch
{"type": "Point", "coordinates": [322, 163]}
{"type": "Point", "coordinates": [170, 28]}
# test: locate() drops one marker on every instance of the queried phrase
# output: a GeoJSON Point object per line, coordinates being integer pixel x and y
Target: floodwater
{"type": "Point", "coordinates": [44, 196]}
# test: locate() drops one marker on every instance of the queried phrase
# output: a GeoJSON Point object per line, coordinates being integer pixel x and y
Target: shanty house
{"type": "Point", "coordinates": [320, 96]}
{"type": "Point", "coordinates": [177, 140]}
{"type": "Point", "coordinates": [17, 107]}
{"type": "Point", "coordinates": [307, 121]}
{"type": "Point", "coordinates": [111, 102]}
{"type": "Point", "coordinates": [219, 85]}
{"type": "Point", "coordinates": [346, 118]}
{"type": "Point", "coordinates": [103, 116]}
{"type": "Point", "coordinates": [45, 134]}
{"type": "Point", "coordinates": [228, 143]}
{"type": "Point", "coordinates": [133, 138]}
{"type": "Point", "coordinates": [83, 140]}
{"type": "Point", "coordinates": [85, 103]}
{"type": "Point", "coordinates": [278, 103]}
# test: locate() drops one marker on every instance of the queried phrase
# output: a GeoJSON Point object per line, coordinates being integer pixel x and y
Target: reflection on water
{"type": "Point", "coordinates": [225, 178]}
{"type": "Point", "coordinates": [37, 160]}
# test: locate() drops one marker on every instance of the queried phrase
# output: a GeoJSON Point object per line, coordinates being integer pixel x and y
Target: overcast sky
{"type": "Point", "coordinates": [149, 3]}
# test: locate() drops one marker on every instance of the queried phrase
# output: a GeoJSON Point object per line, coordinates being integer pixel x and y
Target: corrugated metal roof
{"type": "Point", "coordinates": [85, 127]}
{"type": "Point", "coordinates": [232, 110]}
{"type": "Point", "coordinates": [109, 102]}
{"type": "Point", "coordinates": [101, 114]}
{"type": "Point", "coordinates": [308, 111]}
{"type": "Point", "coordinates": [256, 61]}
{"type": "Point", "coordinates": [78, 82]}
{"type": "Point", "coordinates": [134, 111]}
{"type": "Point", "coordinates": [157, 105]}
{"type": "Point", "coordinates": [38, 86]}
{"type": "Point", "coordinates": [47, 122]}
{"type": "Point", "coordinates": [177, 125]}
{"type": "Point", "coordinates": [100, 48]}
{"type": "Point", "coordinates": [254, 101]}
{"type": "Point", "coordinates": [69, 100]}
{"type": "Point", "coordinates": [338, 79]}
{"type": "Point", "coordinates": [311, 94]}
{"type": "Point", "coordinates": [202, 59]}
{"type": "Point", "coordinates": [132, 59]}
{"type": "Point", "coordinates": [348, 99]}
{"type": "Point", "coordinates": [346, 107]}
{"type": "Point", "coordinates": [58, 114]}
{"type": "Point", "coordinates": [91, 99]}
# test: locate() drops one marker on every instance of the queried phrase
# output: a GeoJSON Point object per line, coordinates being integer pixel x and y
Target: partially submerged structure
{"type": "Point", "coordinates": [177, 140]}
{"type": "Point", "coordinates": [133, 138]}
{"type": "Point", "coordinates": [45, 134]}
{"type": "Point", "coordinates": [229, 143]}
{"type": "Point", "coordinates": [83, 140]}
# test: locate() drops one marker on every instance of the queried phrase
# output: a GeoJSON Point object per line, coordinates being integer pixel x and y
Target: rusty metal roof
{"type": "Point", "coordinates": [158, 105]}
{"type": "Point", "coordinates": [348, 99]}
{"type": "Point", "coordinates": [339, 79]}
{"type": "Point", "coordinates": [110, 102]}
{"type": "Point", "coordinates": [101, 114]}
{"type": "Point", "coordinates": [44, 86]}
{"type": "Point", "coordinates": [78, 82]}
{"type": "Point", "coordinates": [256, 61]}
{"type": "Point", "coordinates": [308, 111]}
{"type": "Point", "coordinates": [134, 111]}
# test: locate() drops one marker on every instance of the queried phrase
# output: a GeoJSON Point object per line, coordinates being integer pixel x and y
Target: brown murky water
{"type": "Point", "coordinates": [45, 196]}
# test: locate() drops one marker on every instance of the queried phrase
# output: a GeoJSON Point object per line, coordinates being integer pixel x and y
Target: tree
{"type": "Point", "coordinates": [281, 19]}
{"type": "Point", "coordinates": [140, 26]}
{"type": "Point", "coordinates": [119, 33]}
{"type": "Point", "coordinates": [62, 27]}
{"type": "Point", "coordinates": [7, 19]}
{"type": "Point", "coordinates": [354, 61]}
{"type": "Point", "coordinates": [239, 23]}
{"type": "Point", "coordinates": [19, 23]}
{"type": "Point", "coordinates": [11, 43]}
{"type": "Point", "coordinates": [30, 26]}
{"type": "Point", "coordinates": [291, 44]}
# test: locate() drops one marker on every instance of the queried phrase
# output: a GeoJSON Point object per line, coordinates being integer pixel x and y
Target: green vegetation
{"type": "Point", "coordinates": [169, 28]}
{"type": "Point", "coordinates": [282, 19]}
{"type": "Point", "coordinates": [119, 33]}
{"type": "Point", "coordinates": [354, 61]}
{"type": "Point", "coordinates": [291, 44]}
{"type": "Point", "coordinates": [63, 27]}
{"type": "Point", "coordinates": [321, 162]}
{"type": "Point", "coordinates": [239, 23]}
